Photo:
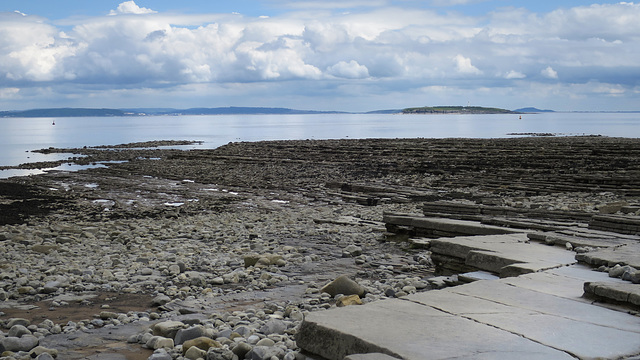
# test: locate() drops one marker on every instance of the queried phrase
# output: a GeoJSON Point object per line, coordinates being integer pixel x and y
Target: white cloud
{"type": "Point", "coordinates": [7, 93]}
{"type": "Point", "coordinates": [514, 75]}
{"type": "Point", "coordinates": [464, 66]}
{"type": "Point", "coordinates": [548, 72]}
{"type": "Point", "coordinates": [349, 70]}
{"type": "Point", "coordinates": [398, 49]}
{"type": "Point", "coordinates": [130, 7]}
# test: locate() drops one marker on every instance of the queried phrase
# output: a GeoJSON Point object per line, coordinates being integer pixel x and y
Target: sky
{"type": "Point", "coordinates": [348, 55]}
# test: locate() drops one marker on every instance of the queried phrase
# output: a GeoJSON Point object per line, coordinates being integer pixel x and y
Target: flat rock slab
{"type": "Point", "coordinates": [445, 225]}
{"type": "Point", "coordinates": [506, 255]}
{"type": "Point", "coordinates": [623, 292]}
{"type": "Point", "coordinates": [481, 320]}
{"type": "Point", "coordinates": [566, 281]}
{"type": "Point", "coordinates": [623, 255]}
{"type": "Point", "coordinates": [408, 330]}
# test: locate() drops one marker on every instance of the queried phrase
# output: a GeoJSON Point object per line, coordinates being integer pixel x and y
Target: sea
{"type": "Point", "coordinates": [19, 136]}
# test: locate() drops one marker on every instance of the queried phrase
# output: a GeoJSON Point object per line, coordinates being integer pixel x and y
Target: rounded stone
{"type": "Point", "coordinates": [266, 342]}
{"type": "Point", "coordinates": [24, 343]}
{"type": "Point", "coordinates": [241, 349]}
{"type": "Point", "coordinates": [190, 333]}
{"type": "Point", "coordinates": [343, 285]}
{"type": "Point", "coordinates": [195, 353]}
{"type": "Point", "coordinates": [202, 342]}
{"type": "Point", "coordinates": [18, 331]}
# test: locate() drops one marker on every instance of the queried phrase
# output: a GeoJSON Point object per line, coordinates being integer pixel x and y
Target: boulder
{"type": "Point", "coordinates": [39, 350]}
{"type": "Point", "coordinates": [24, 343]}
{"type": "Point", "coordinates": [202, 342]}
{"type": "Point", "coordinates": [343, 285]}
{"type": "Point", "coordinates": [266, 352]}
{"type": "Point", "coordinates": [18, 331]}
{"type": "Point", "coordinates": [18, 321]}
{"type": "Point", "coordinates": [160, 300]}
{"type": "Point", "coordinates": [273, 326]}
{"type": "Point", "coordinates": [167, 329]}
{"type": "Point", "coordinates": [195, 353]}
{"type": "Point", "coordinates": [190, 333]}
{"type": "Point", "coordinates": [241, 349]}
{"type": "Point", "coordinates": [263, 260]}
{"type": "Point", "coordinates": [160, 354]}
{"type": "Point", "coordinates": [158, 342]}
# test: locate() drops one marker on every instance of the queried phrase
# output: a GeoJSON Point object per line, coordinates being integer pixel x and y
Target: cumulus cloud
{"type": "Point", "coordinates": [464, 66]}
{"type": "Point", "coordinates": [130, 7]}
{"type": "Point", "coordinates": [548, 72]}
{"type": "Point", "coordinates": [514, 75]}
{"type": "Point", "coordinates": [398, 49]}
{"type": "Point", "coordinates": [349, 70]}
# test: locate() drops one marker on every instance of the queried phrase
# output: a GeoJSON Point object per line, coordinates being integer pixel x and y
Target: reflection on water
{"type": "Point", "coordinates": [18, 136]}
{"type": "Point", "coordinates": [5, 174]}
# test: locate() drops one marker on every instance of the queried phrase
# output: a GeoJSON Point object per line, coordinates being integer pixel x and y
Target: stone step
{"type": "Point", "coordinates": [624, 224]}
{"type": "Point", "coordinates": [436, 227]}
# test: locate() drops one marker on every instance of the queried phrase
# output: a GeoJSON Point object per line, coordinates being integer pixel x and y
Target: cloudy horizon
{"type": "Point", "coordinates": [346, 56]}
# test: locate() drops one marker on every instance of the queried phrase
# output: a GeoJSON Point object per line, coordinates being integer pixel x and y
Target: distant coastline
{"type": "Point", "coordinates": [105, 112]}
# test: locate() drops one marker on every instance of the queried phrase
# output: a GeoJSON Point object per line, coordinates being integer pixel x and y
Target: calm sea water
{"type": "Point", "coordinates": [18, 136]}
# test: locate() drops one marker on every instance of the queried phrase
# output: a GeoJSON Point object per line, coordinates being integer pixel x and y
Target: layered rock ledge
{"type": "Point", "coordinates": [226, 240]}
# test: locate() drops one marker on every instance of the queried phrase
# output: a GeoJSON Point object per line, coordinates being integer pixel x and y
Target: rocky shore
{"type": "Point", "coordinates": [220, 254]}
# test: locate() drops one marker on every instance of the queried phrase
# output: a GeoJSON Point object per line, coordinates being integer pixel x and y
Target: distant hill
{"type": "Point", "coordinates": [250, 111]}
{"type": "Point", "coordinates": [76, 112]}
{"type": "Point", "coordinates": [390, 111]}
{"type": "Point", "coordinates": [532, 110]}
{"type": "Point", "coordinates": [456, 110]}
{"type": "Point", "coordinates": [62, 112]}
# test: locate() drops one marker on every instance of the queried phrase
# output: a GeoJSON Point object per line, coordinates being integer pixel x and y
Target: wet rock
{"type": "Point", "coordinates": [352, 251]}
{"type": "Point", "coordinates": [160, 300]}
{"type": "Point", "coordinates": [168, 329]}
{"type": "Point", "coordinates": [160, 354]}
{"type": "Point", "coordinates": [157, 342]}
{"type": "Point", "coordinates": [343, 285]}
{"type": "Point", "coordinates": [195, 353]}
{"type": "Point", "coordinates": [273, 326]}
{"type": "Point", "coordinates": [190, 333]}
{"type": "Point", "coordinates": [18, 331]}
{"type": "Point", "coordinates": [241, 349]}
{"type": "Point", "coordinates": [39, 350]}
{"type": "Point", "coordinates": [266, 352]}
{"type": "Point", "coordinates": [24, 343]}
{"type": "Point", "coordinates": [17, 321]}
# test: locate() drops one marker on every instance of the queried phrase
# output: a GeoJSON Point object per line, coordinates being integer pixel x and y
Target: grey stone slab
{"type": "Point", "coordinates": [584, 340]}
{"type": "Point", "coordinates": [623, 255]}
{"type": "Point", "coordinates": [625, 291]}
{"type": "Point", "coordinates": [461, 246]}
{"type": "Point", "coordinates": [412, 331]}
{"type": "Point", "coordinates": [507, 255]}
{"type": "Point", "coordinates": [460, 226]}
{"type": "Point", "coordinates": [372, 356]}
{"type": "Point", "coordinates": [565, 281]}
{"type": "Point", "coordinates": [502, 292]}
{"type": "Point", "coordinates": [477, 275]}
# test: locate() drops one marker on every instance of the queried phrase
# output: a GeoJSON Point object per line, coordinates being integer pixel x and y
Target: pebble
{"type": "Point", "coordinates": [168, 261]}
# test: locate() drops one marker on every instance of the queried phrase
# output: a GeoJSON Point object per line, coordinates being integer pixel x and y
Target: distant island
{"type": "Point", "coordinates": [532, 110]}
{"type": "Point", "coordinates": [456, 110]}
{"type": "Point", "coordinates": [232, 110]}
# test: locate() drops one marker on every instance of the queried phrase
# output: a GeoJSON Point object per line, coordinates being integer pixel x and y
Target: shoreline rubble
{"type": "Point", "coordinates": [235, 244]}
